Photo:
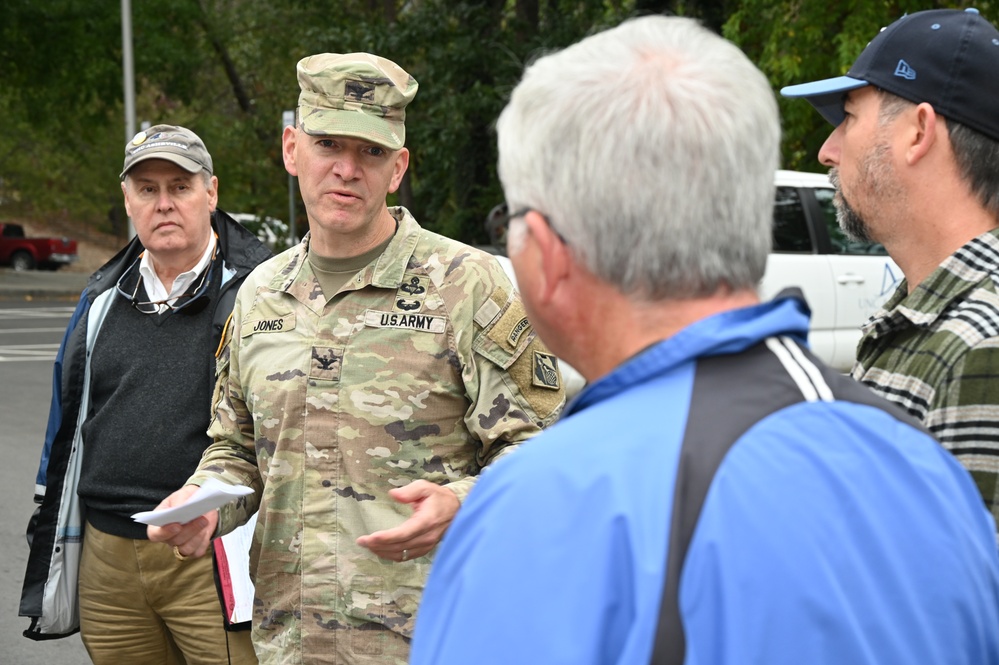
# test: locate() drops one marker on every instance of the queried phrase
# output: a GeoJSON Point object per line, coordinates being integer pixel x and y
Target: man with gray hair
{"type": "Point", "coordinates": [715, 494]}
{"type": "Point", "coordinates": [131, 403]}
{"type": "Point", "coordinates": [371, 373]}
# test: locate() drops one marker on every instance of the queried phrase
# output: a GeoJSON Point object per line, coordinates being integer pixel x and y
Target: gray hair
{"type": "Point", "coordinates": [651, 147]}
{"type": "Point", "coordinates": [976, 155]}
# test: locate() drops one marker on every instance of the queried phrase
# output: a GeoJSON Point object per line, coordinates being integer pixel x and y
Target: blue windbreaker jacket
{"type": "Point", "coordinates": [832, 528]}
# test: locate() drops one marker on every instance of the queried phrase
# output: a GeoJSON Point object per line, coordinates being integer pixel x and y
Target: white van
{"type": "Point", "coordinates": [844, 281]}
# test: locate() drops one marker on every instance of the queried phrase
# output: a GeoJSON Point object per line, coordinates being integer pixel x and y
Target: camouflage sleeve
{"type": "Point", "coordinates": [231, 458]}
{"type": "Point", "coordinates": [517, 387]}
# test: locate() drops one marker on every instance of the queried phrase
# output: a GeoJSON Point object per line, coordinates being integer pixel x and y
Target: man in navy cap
{"type": "Point", "coordinates": [915, 161]}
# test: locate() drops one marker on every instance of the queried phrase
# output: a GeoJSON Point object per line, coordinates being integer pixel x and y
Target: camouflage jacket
{"type": "Point", "coordinates": [424, 366]}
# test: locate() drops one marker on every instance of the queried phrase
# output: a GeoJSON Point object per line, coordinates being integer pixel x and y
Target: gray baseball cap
{"type": "Point", "coordinates": [355, 94]}
{"type": "Point", "coordinates": [174, 144]}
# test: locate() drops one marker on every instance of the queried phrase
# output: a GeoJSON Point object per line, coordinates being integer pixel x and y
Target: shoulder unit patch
{"type": "Point", "coordinates": [546, 373]}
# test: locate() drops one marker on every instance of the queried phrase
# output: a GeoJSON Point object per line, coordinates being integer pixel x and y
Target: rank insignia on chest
{"type": "Point", "coordinates": [546, 371]}
{"type": "Point", "coordinates": [410, 296]}
{"type": "Point", "coordinates": [325, 363]}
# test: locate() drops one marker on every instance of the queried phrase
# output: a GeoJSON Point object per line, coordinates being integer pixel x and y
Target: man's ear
{"type": "Point", "coordinates": [288, 139]}
{"type": "Point", "coordinates": [399, 168]}
{"type": "Point", "coordinates": [213, 194]}
{"type": "Point", "coordinates": [553, 253]}
{"type": "Point", "coordinates": [923, 134]}
{"type": "Point", "coordinates": [124, 191]}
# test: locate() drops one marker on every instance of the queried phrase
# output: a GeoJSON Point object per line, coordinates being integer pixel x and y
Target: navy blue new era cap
{"type": "Point", "coordinates": [945, 57]}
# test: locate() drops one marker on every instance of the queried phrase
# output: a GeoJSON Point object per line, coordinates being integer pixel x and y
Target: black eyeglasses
{"type": "Point", "coordinates": [498, 224]}
{"type": "Point", "coordinates": [194, 294]}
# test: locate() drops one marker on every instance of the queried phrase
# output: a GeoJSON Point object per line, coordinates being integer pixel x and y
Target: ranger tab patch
{"type": "Point", "coordinates": [519, 329]}
{"type": "Point", "coordinates": [546, 371]}
{"type": "Point", "coordinates": [421, 322]}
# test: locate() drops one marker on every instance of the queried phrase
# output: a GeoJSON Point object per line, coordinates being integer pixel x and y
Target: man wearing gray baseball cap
{"type": "Point", "coordinates": [372, 373]}
{"type": "Point", "coordinates": [914, 157]}
{"type": "Point", "coordinates": [131, 404]}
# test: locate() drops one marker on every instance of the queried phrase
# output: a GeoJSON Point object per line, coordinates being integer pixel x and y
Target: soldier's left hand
{"type": "Point", "coordinates": [433, 507]}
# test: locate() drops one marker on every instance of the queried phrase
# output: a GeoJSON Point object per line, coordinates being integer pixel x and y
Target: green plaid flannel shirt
{"type": "Point", "coordinates": [936, 353]}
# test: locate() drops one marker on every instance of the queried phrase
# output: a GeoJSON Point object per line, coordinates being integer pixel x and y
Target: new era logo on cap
{"type": "Point", "coordinates": [904, 70]}
{"type": "Point", "coordinates": [944, 57]}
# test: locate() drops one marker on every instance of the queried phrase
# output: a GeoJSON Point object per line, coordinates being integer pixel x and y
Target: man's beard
{"type": "Point", "coordinates": [850, 221]}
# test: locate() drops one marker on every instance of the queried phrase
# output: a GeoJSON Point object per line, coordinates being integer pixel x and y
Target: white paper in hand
{"type": "Point", "coordinates": [211, 495]}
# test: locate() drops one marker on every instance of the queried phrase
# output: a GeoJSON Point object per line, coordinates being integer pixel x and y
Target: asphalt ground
{"type": "Point", "coordinates": [41, 284]}
{"type": "Point", "coordinates": [30, 332]}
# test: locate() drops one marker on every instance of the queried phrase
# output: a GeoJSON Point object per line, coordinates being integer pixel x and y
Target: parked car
{"type": "Point", "coordinates": [23, 253]}
{"type": "Point", "coordinates": [271, 231]}
{"type": "Point", "coordinates": [844, 282]}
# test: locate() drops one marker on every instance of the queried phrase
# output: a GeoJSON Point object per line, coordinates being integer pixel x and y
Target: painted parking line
{"type": "Point", "coordinates": [28, 353]}
{"type": "Point", "coordinates": [36, 313]}
{"type": "Point", "coordinates": [14, 331]}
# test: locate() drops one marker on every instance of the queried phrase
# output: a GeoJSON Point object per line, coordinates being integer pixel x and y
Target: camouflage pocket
{"type": "Point", "coordinates": [366, 598]}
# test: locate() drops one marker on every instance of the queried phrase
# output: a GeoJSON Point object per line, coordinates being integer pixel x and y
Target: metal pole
{"type": "Point", "coordinates": [129, 76]}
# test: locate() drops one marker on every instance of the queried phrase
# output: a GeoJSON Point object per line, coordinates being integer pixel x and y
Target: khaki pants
{"type": "Point", "coordinates": [140, 604]}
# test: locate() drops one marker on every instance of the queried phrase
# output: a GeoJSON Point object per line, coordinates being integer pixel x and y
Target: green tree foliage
{"type": "Point", "coordinates": [794, 41]}
{"type": "Point", "coordinates": [468, 56]}
{"type": "Point", "coordinates": [226, 68]}
{"type": "Point", "coordinates": [53, 94]}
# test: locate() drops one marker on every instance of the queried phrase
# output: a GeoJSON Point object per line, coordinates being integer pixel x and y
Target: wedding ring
{"type": "Point", "coordinates": [176, 553]}
{"type": "Point", "coordinates": [405, 554]}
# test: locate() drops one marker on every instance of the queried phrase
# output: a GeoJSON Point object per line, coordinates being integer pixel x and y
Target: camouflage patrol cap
{"type": "Point", "coordinates": [355, 94]}
{"type": "Point", "coordinates": [174, 144]}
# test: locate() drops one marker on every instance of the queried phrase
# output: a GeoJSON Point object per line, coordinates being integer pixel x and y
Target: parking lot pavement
{"type": "Point", "coordinates": [41, 284]}
{"type": "Point", "coordinates": [30, 332]}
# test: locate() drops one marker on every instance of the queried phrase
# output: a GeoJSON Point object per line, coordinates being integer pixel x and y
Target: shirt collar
{"type": "Point", "coordinates": [959, 273]}
{"type": "Point", "coordinates": [155, 290]}
{"type": "Point", "coordinates": [725, 333]}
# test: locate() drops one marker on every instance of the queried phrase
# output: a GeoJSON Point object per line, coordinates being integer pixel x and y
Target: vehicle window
{"type": "Point", "coordinates": [840, 243]}
{"type": "Point", "coordinates": [13, 231]}
{"type": "Point", "coordinates": [790, 228]}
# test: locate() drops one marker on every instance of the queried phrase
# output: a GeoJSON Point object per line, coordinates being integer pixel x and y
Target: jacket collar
{"type": "Point", "coordinates": [960, 273]}
{"type": "Point", "coordinates": [729, 332]}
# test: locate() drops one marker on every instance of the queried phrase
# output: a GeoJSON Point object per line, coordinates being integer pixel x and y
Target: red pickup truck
{"type": "Point", "coordinates": [21, 253]}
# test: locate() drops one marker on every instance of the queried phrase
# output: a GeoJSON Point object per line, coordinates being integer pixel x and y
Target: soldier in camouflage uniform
{"type": "Point", "coordinates": [371, 373]}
